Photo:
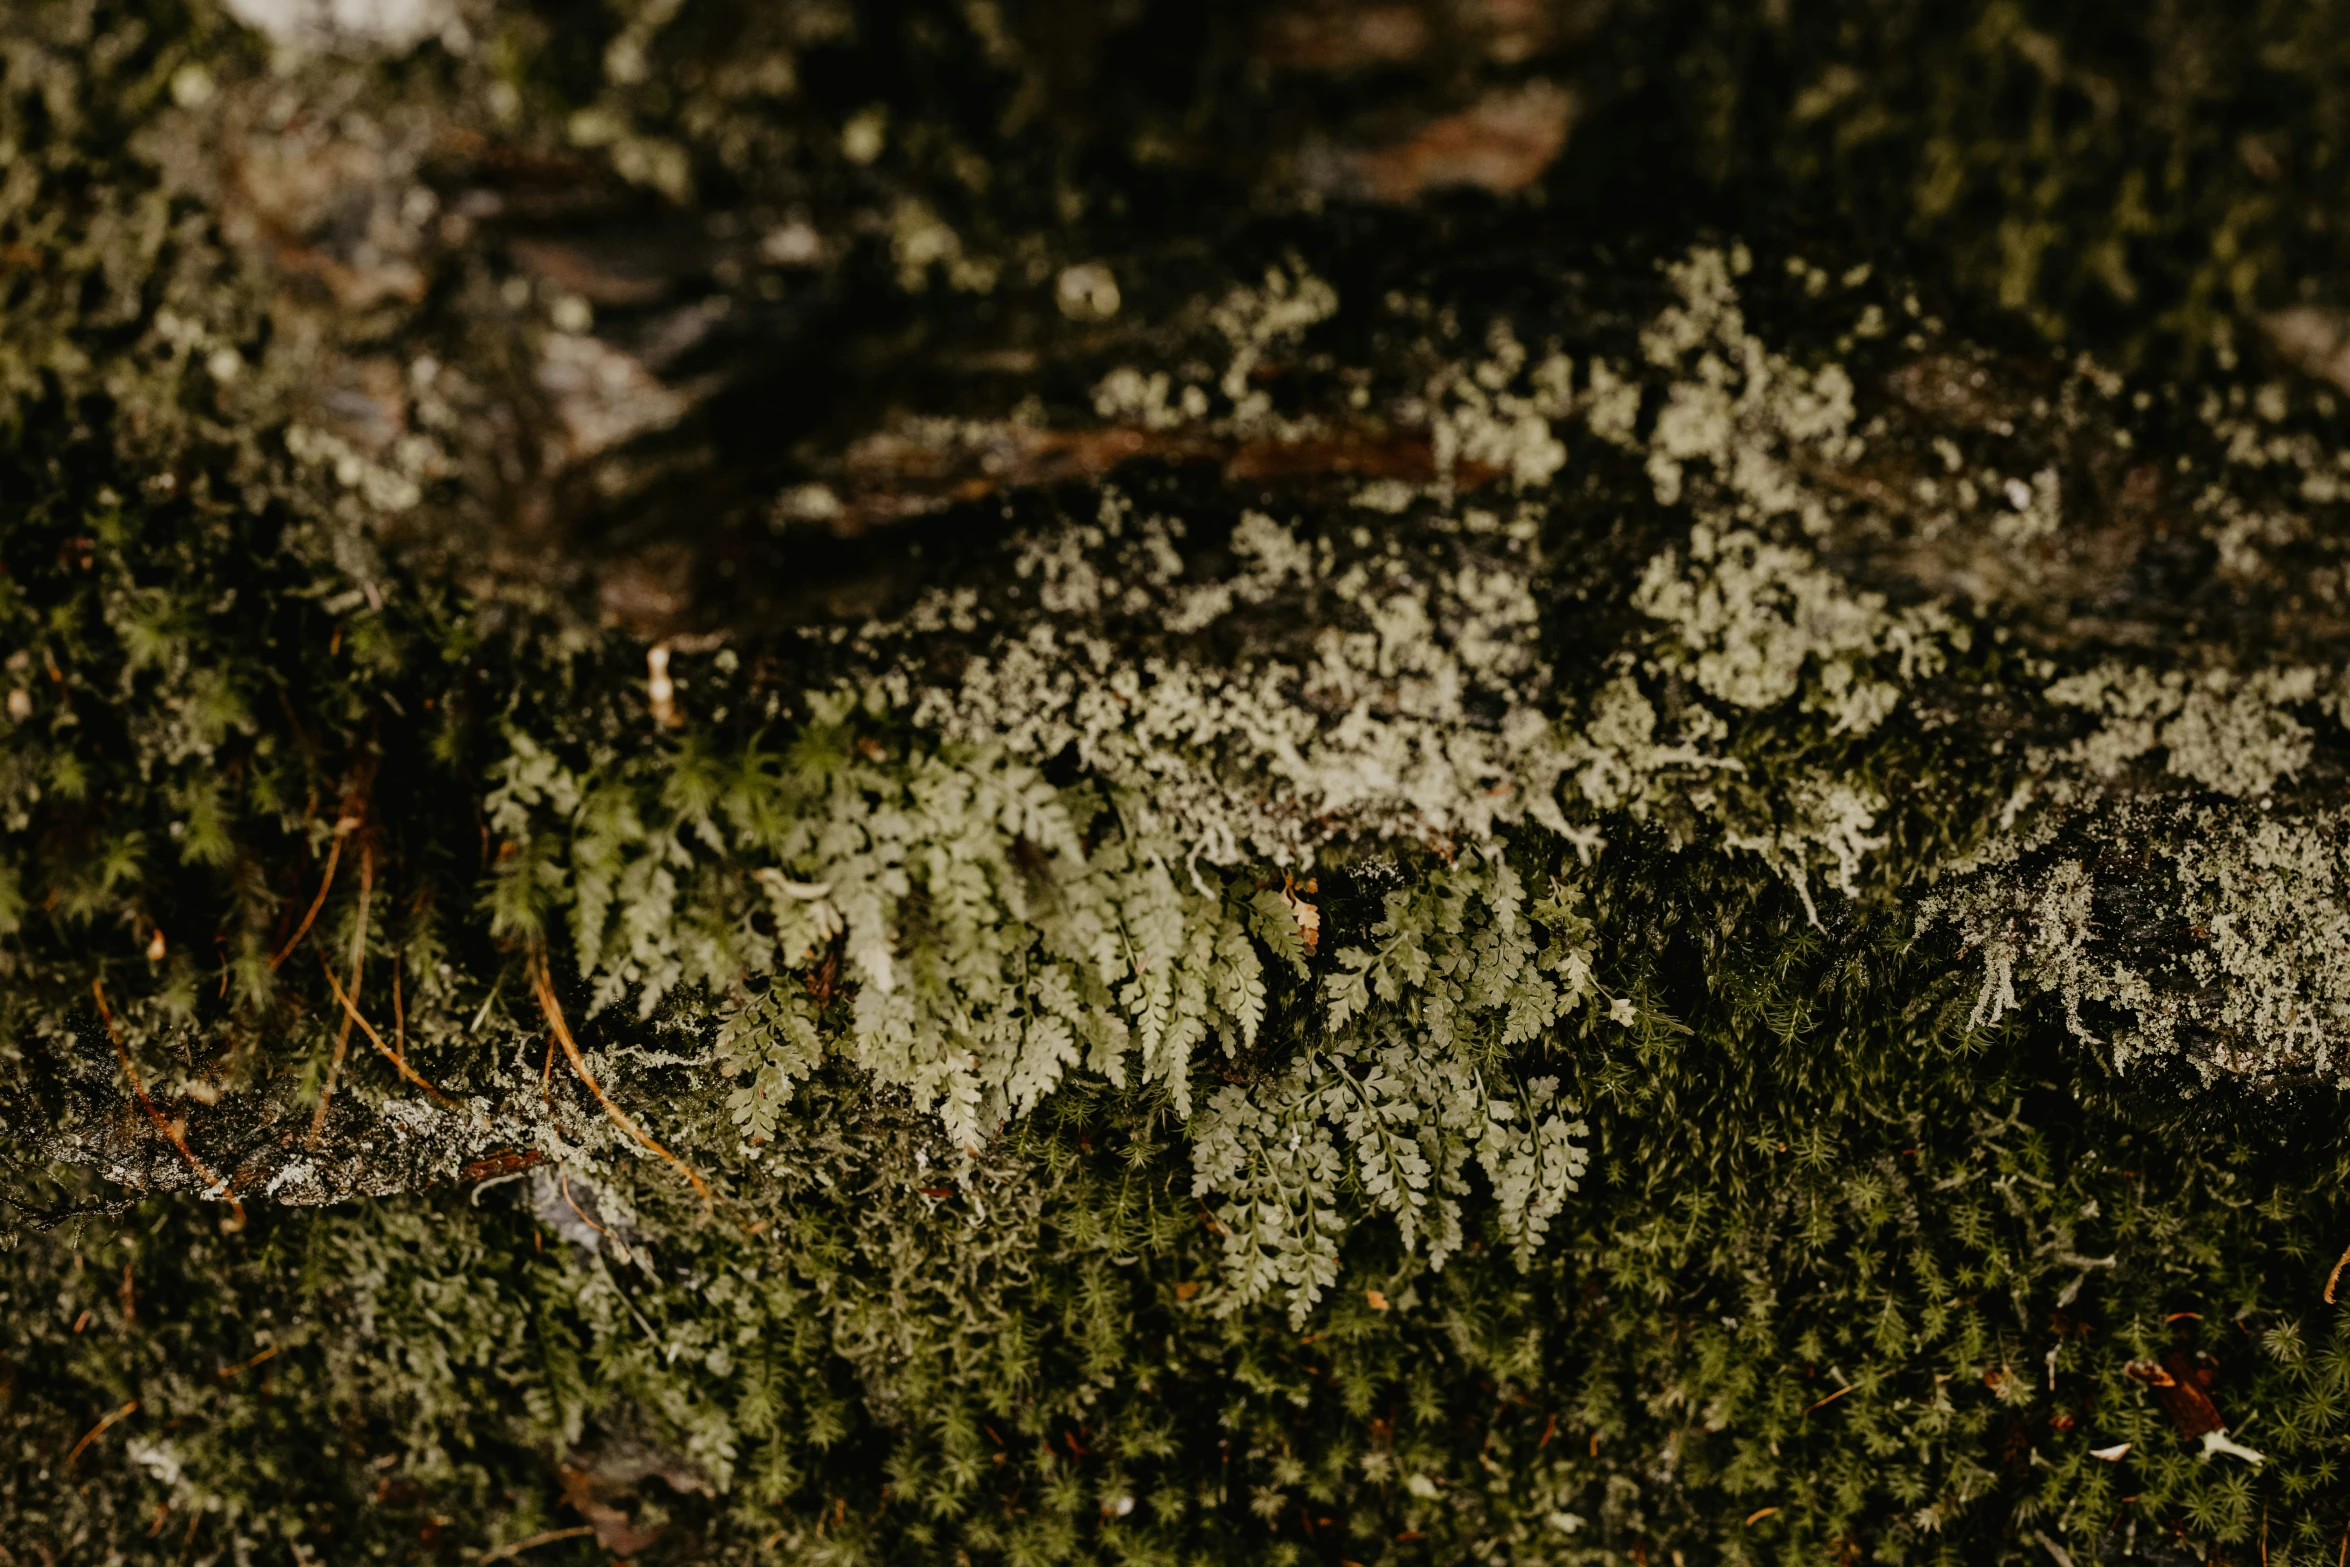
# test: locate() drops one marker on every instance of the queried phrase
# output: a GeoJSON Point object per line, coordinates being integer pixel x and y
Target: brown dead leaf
{"type": "Point", "coordinates": [615, 1531]}
{"type": "Point", "coordinates": [1309, 919]}
{"type": "Point", "coordinates": [2180, 1389]}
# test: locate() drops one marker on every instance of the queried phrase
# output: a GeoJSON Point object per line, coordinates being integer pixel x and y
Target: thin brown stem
{"type": "Point", "coordinates": [334, 1065]}
{"type": "Point", "coordinates": [399, 1063]}
{"type": "Point", "coordinates": [545, 989]}
{"type": "Point", "coordinates": [243, 1366]}
{"type": "Point", "coordinates": [1830, 1399]}
{"type": "Point", "coordinates": [548, 1538]}
{"type": "Point", "coordinates": [334, 855]}
{"type": "Point", "coordinates": [563, 1185]}
{"type": "Point", "coordinates": [2333, 1279]}
{"type": "Point", "coordinates": [170, 1129]}
{"type": "Point", "coordinates": [100, 1429]}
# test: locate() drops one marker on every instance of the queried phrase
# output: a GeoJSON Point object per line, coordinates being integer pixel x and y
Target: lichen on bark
{"type": "Point", "coordinates": [1000, 783]}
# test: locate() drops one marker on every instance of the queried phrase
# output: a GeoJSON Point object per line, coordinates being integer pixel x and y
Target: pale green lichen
{"type": "Point", "coordinates": [1482, 417]}
{"type": "Point", "coordinates": [1151, 400]}
{"type": "Point", "coordinates": [2035, 510]}
{"type": "Point", "coordinates": [1372, 727]}
{"type": "Point", "coordinates": [1384, 737]}
{"type": "Point", "coordinates": [2231, 734]}
{"type": "Point", "coordinates": [922, 242]}
{"type": "Point", "coordinates": [2206, 926]}
{"type": "Point", "coordinates": [1745, 613]}
{"type": "Point", "coordinates": [1753, 623]}
{"type": "Point", "coordinates": [2242, 971]}
{"type": "Point", "coordinates": [1736, 406]}
{"type": "Point", "coordinates": [1254, 321]}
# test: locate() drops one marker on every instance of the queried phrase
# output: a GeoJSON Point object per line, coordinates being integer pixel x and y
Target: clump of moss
{"type": "Point", "coordinates": [1352, 989]}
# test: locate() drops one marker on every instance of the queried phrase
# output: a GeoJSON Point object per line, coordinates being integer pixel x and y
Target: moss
{"type": "Point", "coordinates": [1189, 929]}
{"type": "Point", "coordinates": [1975, 1269]}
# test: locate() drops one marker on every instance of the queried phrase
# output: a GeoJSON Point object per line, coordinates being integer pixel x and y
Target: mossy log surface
{"type": "Point", "coordinates": [1017, 782]}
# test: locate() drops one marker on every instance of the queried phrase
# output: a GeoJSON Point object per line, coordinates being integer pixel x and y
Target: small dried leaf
{"type": "Point", "coordinates": [1308, 917]}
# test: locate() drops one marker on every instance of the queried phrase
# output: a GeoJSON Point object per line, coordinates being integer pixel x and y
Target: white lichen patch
{"type": "Point", "coordinates": [2226, 944]}
{"type": "Point", "coordinates": [1417, 706]}
{"type": "Point", "coordinates": [1413, 709]}
{"type": "Point", "coordinates": [1255, 321]}
{"type": "Point", "coordinates": [1751, 417]}
{"type": "Point", "coordinates": [347, 25]}
{"type": "Point", "coordinates": [2246, 535]}
{"type": "Point", "coordinates": [1497, 413]}
{"type": "Point", "coordinates": [2034, 508]}
{"type": "Point", "coordinates": [2231, 734]}
{"type": "Point", "coordinates": [1823, 817]}
{"type": "Point", "coordinates": [2271, 901]}
{"type": "Point", "coordinates": [1152, 401]}
{"type": "Point", "coordinates": [387, 486]}
{"type": "Point", "coordinates": [2204, 924]}
{"type": "Point", "coordinates": [1746, 619]}
{"type": "Point", "coordinates": [920, 241]}
{"type": "Point", "coordinates": [2293, 465]}
{"type": "Point", "coordinates": [1620, 761]}
{"type": "Point", "coordinates": [1752, 623]}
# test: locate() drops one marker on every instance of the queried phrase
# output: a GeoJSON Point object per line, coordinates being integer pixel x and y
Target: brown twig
{"type": "Point", "coordinates": [100, 1429]}
{"type": "Point", "coordinates": [243, 1366]}
{"type": "Point", "coordinates": [497, 1164]}
{"type": "Point", "coordinates": [399, 1012]}
{"type": "Point", "coordinates": [563, 1185]}
{"type": "Point", "coordinates": [545, 989]}
{"type": "Point", "coordinates": [548, 1538]}
{"type": "Point", "coordinates": [1830, 1399]}
{"type": "Point", "coordinates": [399, 1064]}
{"type": "Point", "coordinates": [334, 854]}
{"type": "Point", "coordinates": [2335, 1277]}
{"type": "Point", "coordinates": [169, 1129]}
{"type": "Point", "coordinates": [334, 1065]}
